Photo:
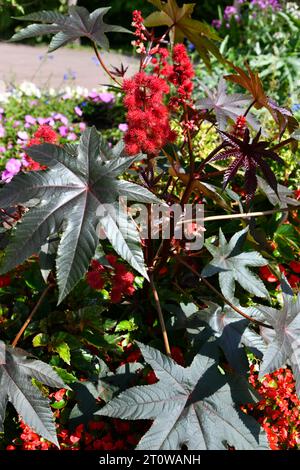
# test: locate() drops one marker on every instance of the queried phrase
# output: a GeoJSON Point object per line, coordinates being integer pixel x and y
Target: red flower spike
{"type": "Point", "coordinates": [94, 280]}
{"type": "Point", "coordinates": [147, 117]}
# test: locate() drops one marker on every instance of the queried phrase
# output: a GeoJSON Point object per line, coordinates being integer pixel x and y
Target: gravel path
{"type": "Point", "coordinates": [32, 63]}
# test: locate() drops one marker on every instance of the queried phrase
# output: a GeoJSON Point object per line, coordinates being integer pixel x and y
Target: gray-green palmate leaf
{"type": "Point", "coordinates": [226, 106]}
{"type": "Point", "coordinates": [67, 28]}
{"type": "Point", "coordinates": [195, 406]}
{"type": "Point", "coordinates": [77, 197]}
{"type": "Point", "coordinates": [16, 373]}
{"type": "Point", "coordinates": [232, 265]}
{"type": "Point", "coordinates": [233, 333]}
{"type": "Point", "coordinates": [284, 340]}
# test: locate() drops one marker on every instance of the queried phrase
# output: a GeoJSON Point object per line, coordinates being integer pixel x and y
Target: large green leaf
{"type": "Point", "coordinates": [78, 23]}
{"type": "Point", "coordinates": [195, 406]}
{"type": "Point", "coordinates": [284, 340]}
{"type": "Point", "coordinates": [16, 374]}
{"type": "Point", "coordinates": [231, 263]}
{"type": "Point", "coordinates": [76, 198]}
{"type": "Point", "coordinates": [181, 25]}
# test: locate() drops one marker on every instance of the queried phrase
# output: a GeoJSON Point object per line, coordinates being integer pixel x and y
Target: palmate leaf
{"type": "Point", "coordinates": [250, 81]}
{"type": "Point", "coordinates": [76, 198]}
{"type": "Point", "coordinates": [183, 26]}
{"type": "Point", "coordinates": [284, 343]}
{"type": "Point", "coordinates": [195, 406]}
{"type": "Point", "coordinates": [226, 106]}
{"type": "Point", "coordinates": [232, 265]}
{"type": "Point", "coordinates": [16, 373]}
{"type": "Point", "coordinates": [284, 196]}
{"type": "Point", "coordinates": [233, 333]}
{"type": "Point", "coordinates": [78, 23]}
{"type": "Point", "coordinates": [248, 156]}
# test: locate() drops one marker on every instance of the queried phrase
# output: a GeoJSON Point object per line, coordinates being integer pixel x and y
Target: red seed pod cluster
{"type": "Point", "coordinates": [147, 117]}
{"type": "Point", "coordinates": [239, 127]}
{"type": "Point", "coordinates": [181, 77]}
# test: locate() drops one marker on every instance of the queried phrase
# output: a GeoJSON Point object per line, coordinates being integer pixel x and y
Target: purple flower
{"type": "Point", "coordinates": [2, 149]}
{"type": "Point", "coordinates": [1, 111]}
{"type": "Point", "coordinates": [60, 117]}
{"type": "Point", "coordinates": [78, 111]}
{"type": "Point", "coordinates": [30, 120]}
{"type": "Point", "coordinates": [216, 24]}
{"type": "Point", "coordinates": [42, 121]}
{"type": "Point", "coordinates": [63, 130]}
{"type": "Point", "coordinates": [123, 127]}
{"type": "Point", "coordinates": [12, 167]}
{"type": "Point", "coordinates": [72, 136]}
{"type": "Point", "coordinates": [230, 12]}
{"type": "Point", "coordinates": [107, 97]}
{"type": "Point", "coordinates": [264, 4]}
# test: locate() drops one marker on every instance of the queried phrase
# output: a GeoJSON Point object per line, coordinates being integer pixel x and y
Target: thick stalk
{"type": "Point", "coordinates": [160, 316]}
{"type": "Point", "coordinates": [33, 312]}
{"type": "Point", "coordinates": [104, 66]}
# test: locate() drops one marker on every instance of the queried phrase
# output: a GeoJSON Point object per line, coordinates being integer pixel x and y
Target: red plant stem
{"type": "Point", "coordinates": [160, 316]}
{"type": "Point", "coordinates": [249, 107]}
{"type": "Point", "coordinates": [211, 287]}
{"type": "Point", "coordinates": [104, 66]}
{"type": "Point", "coordinates": [33, 312]}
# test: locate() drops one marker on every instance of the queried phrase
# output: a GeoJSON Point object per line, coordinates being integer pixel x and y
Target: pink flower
{"type": "Point", "coordinates": [30, 120]}
{"type": "Point", "coordinates": [12, 167]}
{"type": "Point", "coordinates": [78, 111]}
{"type": "Point", "coordinates": [72, 136]}
{"type": "Point", "coordinates": [2, 131]}
{"type": "Point", "coordinates": [107, 97]}
{"type": "Point", "coordinates": [63, 130]}
{"type": "Point", "coordinates": [123, 127]}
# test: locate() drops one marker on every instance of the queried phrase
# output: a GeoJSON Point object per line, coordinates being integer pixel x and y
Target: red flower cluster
{"type": "Point", "coordinates": [5, 280]}
{"type": "Point", "coordinates": [121, 279]}
{"type": "Point", "coordinates": [279, 409]}
{"type": "Point", "coordinates": [267, 275]}
{"type": "Point", "coordinates": [43, 134]}
{"type": "Point", "coordinates": [147, 117]}
{"type": "Point", "coordinates": [181, 76]}
{"type": "Point", "coordinates": [239, 127]}
{"type": "Point", "coordinates": [101, 435]}
{"type": "Point", "coordinates": [138, 24]}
